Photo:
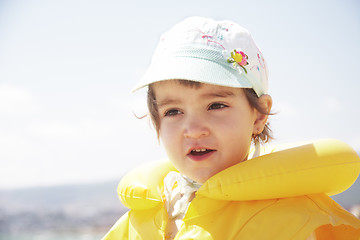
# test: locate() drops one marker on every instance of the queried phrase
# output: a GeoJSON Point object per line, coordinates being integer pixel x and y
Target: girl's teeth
{"type": "Point", "coordinates": [200, 150]}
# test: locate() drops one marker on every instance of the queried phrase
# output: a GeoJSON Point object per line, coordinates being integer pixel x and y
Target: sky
{"type": "Point", "coordinates": [67, 114]}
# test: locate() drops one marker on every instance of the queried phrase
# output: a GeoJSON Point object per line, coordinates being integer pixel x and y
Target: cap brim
{"type": "Point", "coordinates": [193, 69]}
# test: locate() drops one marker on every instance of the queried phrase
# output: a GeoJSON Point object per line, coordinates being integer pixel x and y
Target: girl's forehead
{"type": "Point", "coordinates": [173, 88]}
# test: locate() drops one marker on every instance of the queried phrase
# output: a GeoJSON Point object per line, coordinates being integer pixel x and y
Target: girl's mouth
{"type": "Point", "coordinates": [200, 154]}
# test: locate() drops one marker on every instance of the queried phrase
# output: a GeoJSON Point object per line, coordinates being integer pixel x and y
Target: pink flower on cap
{"type": "Point", "coordinates": [238, 58]}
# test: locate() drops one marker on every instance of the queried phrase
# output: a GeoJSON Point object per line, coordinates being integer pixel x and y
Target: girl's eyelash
{"type": "Point", "coordinates": [217, 105]}
{"type": "Point", "coordinates": [172, 112]}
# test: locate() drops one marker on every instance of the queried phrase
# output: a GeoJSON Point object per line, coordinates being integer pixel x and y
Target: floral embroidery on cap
{"type": "Point", "coordinates": [238, 58]}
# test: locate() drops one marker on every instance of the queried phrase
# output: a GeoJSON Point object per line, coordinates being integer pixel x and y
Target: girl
{"type": "Point", "coordinates": [207, 98]}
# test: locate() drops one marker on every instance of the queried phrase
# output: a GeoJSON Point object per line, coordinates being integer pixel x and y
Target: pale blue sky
{"type": "Point", "coordinates": [67, 68]}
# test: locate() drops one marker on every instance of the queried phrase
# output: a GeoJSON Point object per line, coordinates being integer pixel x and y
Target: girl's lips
{"type": "Point", "coordinates": [200, 154]}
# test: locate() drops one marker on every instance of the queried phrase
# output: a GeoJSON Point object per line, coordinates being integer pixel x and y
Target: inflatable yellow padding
{"type": "Point", "coordinates": [322, 166]}
{"type": "Point", "coordinates": [138, 190]}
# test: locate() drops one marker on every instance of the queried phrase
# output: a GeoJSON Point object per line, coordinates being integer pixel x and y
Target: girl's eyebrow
{"type": "Point", "coordinates": [167, 101]}
{"type": "Point", "coordinates": [221, 94]}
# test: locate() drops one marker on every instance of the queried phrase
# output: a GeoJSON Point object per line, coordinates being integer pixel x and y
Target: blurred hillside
{"type": "Point", "coordinates": [78, 211]}
{"type": "Point", "coordinates": [350, 197]}
{"type": "Point", "coordinates": [61, 212]}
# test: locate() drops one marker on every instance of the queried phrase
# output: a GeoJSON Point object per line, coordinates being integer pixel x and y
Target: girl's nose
{"type": "Point", "coordinates": [195, 128]}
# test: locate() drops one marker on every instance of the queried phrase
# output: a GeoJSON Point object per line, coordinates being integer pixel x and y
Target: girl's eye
{"type": "Point", "coordinates": [217, 106]}
{"type": "Point", "coordinates": [172, 112]}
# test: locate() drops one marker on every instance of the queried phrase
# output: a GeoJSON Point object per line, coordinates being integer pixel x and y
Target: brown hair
{"type": "Point", "coordinates": [250, 94]}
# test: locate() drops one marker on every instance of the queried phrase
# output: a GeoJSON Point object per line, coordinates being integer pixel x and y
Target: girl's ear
{"type": "Point", "coordinates": [265, 102]}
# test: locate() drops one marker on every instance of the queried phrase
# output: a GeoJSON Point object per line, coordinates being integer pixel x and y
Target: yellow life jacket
{"type": "Point", "coordinates": [281, 195]}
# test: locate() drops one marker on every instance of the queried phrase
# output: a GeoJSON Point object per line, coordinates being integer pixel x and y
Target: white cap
{"type": "Point", "coordinates": [208, 51]}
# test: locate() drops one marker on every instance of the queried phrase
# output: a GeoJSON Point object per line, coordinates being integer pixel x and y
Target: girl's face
{"type": "Point", "coordinates": [205, 130]}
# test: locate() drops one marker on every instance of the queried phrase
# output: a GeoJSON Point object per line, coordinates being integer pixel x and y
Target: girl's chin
{"type": "Point", "coordinates": [200, 177]}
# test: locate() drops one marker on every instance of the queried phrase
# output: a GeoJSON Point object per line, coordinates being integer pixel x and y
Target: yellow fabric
{"type": "Point", "coordinates": [281, 195]}
{"type": "Point", "coordinates": [340, 232]}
